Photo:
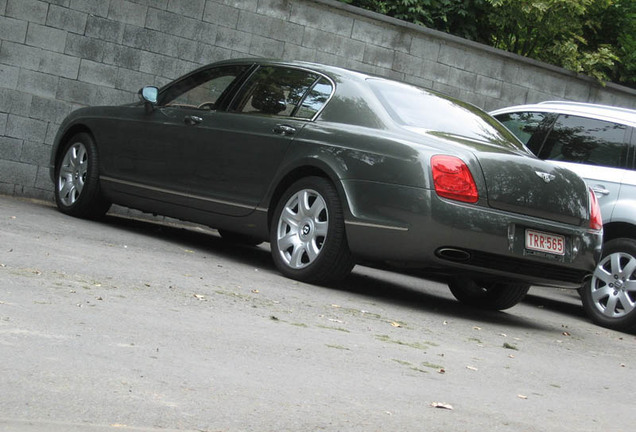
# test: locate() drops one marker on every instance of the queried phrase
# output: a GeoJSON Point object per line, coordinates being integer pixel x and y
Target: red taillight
{"type": "Point", "coordinates": [452, 179]}
{"type": "Point", "coordinates": [596, 221]}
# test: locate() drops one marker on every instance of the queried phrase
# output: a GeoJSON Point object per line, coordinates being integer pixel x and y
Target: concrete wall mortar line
{"type": "Point", "coordinates": [56, 56]}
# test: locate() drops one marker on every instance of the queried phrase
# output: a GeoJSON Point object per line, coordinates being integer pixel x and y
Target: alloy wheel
{"type": "Point", "coordinates": [72, 174]}
{"type": "Point", "coordinates": [613, 286]}
{"type": "Point", "coordinates": [302, 228]}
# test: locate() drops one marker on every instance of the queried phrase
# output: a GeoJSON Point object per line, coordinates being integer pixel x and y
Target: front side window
{"type": "Point", "coordinates": [283, 92]}
{"type": "Point", "coordinates": [201, 90]}
{"type": "Point", "coordinates": [585, 140]}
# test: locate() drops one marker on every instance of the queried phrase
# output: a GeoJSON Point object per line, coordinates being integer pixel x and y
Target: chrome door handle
{"type": "Point", "coordinates": [284, 130]}
{"type": "Point", "coordinates": [192, 120]}
{"type": "Point", "coordinates": [600, 190]}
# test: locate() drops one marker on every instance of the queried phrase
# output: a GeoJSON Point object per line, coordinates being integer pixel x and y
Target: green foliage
{"type": "Point", "coordinates": [593, 37]}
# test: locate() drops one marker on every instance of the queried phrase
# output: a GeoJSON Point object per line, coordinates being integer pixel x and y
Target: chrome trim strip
{"type": "Point", "coordinates": [186, 195]}
{"type": "Point", "coordinates": [371, 225]}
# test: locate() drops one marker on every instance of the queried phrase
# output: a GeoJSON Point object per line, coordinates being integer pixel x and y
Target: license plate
{"type": "Point", "coordinates": [545, 242]}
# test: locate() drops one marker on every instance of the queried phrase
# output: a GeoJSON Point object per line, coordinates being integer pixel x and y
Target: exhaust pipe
{"type": "Point", "coordinates": [453, 254]}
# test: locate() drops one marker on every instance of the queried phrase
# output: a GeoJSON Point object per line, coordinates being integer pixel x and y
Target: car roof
{"type": "Point", "coordinates": [602, 112]}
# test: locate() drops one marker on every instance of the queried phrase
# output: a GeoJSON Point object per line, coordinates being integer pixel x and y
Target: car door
{"type": "Point", "coordinates": [239, 151]}
{"type": "Point", "coordinates": [152, 152]}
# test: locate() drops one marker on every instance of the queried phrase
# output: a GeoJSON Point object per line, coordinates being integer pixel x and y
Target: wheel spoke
{"type": "Point", "coordinates": [601, 293]}
{"type": "Point", "coordinates": [66, 171]}
{"type": "Point", "coordinates": [287, 241]}
{"type": "Point", "coordinates": [610, 308]}
{"type": "Point", "coordinates": [630, 286]}
{"type": "Point", "coordinates": [296, 260]}
{"type": "Point", "coordinates": [630, 268]}
{"type": "Point", "coordinates": [304, 208]}
{"type": "Point", "coordinates": [603, 275]}
{"type": "Point", "coordinates": [290, 218]}
{"type": "Point", "coordinates": [615, 263]}
{"type": "Point", "coordinates": [312, 250]}
{"type": "Point", "coordinates": [320, 229]}
{"type": "Point", "coordinates": [626, 303]}
{"type": "Point", "coordinates": [317, 208]}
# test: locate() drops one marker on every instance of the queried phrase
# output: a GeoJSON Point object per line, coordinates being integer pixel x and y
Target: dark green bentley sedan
{"type": "Point", "coordinates": [333, 168]}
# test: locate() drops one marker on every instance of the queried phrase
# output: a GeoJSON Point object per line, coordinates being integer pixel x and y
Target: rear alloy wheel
{"type": "Point", "coordinates": [307, 236]}
{"type": "Point", "coordinates": [609, 298]}
{"type": "Point", "coordinates": [490, 295]}
{"type": "Point", "coordinates": [77, 190]}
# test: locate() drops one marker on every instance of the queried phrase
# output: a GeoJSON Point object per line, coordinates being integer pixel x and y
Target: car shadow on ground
{"type": "Point", "coordinates": [377, 285]}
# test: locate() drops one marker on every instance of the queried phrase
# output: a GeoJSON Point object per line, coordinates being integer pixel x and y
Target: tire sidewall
{"type": "Point", "coordinates": [627, 322]}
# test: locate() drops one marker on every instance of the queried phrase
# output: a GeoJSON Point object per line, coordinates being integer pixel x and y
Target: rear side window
{"type": "Point", "coordinates": [587, 141]}
{"type": "Point", "coordinates": [284, 92]}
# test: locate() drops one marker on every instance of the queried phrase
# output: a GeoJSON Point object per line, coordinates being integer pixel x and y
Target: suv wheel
{"type": "Point", "coordinates": [609, 298]}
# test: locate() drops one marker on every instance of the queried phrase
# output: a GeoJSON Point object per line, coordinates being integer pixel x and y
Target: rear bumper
{"type": "Point", "coordinates": [415, 228]}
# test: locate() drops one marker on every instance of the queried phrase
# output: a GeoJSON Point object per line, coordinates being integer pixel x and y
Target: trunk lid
{"type": "Point", "coordinates": [534, 187]}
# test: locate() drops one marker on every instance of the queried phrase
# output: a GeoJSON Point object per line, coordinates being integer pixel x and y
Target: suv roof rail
{"type": "Point", "coordinates": [587, 104]}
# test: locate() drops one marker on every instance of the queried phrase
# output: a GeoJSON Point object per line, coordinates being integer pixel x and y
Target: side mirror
{"type": "Point", "coordinates": [149, 95]}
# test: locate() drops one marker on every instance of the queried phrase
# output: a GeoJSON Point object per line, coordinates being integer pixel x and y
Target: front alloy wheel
{"type": "Point", "coordinates": [308, 238]}
{"type": "Point", "coordinates": [77, 189]}
{"type": "Point", "coordinates": [610, 296]}
{"type": "Point", "coordinates": [72, 173]}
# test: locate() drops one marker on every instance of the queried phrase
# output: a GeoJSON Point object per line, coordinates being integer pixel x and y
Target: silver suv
{"type": "Point", "coordinates": [599, 143]}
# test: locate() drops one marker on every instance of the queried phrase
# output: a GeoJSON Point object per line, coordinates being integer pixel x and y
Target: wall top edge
{"type": "Point", "coordinates": [472, 44]}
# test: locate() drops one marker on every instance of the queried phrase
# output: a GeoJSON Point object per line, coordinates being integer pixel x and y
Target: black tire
{"type": "Point", "coordinates": [77, 190]}
{"type": "Point", "coordinates": [609, 298]}
{"type": "Point", "coordinates": [313, 248]}
{"type": "Point", "coordinates": [239, 239]}
{"type": "Point", "coordinates": [490, 296]}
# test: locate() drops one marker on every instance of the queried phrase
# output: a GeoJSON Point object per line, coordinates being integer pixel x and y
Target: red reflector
{"type": "Point", "coordinates": [452, 179]}
{"type": "Point", "coordinates": [596, 221]}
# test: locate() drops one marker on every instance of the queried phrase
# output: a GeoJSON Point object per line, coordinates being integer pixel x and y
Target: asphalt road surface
{"type": "Point", "coordinates": [128, 324]}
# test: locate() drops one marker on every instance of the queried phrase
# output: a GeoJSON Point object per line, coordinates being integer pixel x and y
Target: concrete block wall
{"type": "Point", "coordinates": [58, 55]}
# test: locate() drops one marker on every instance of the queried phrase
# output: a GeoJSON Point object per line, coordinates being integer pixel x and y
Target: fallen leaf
{"type": "Point", "coordinates": [566, 333]}
{"type": "Point", "coordinates": [442, 371]}
{"type": "Point", "coordinates": [441, 405]}
{"type": "Point", "coordinates": [273, 318]}
{"type": "Point", "coordinates": [510, 346]}
{"type": "Point", "coordinates": [522, 396]}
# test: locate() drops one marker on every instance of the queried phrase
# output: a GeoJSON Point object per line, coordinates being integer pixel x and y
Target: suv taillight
{"type": "Point", "coordinates": [596, 221]}
{"type": "Point", "coordinates": [453, 180]}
